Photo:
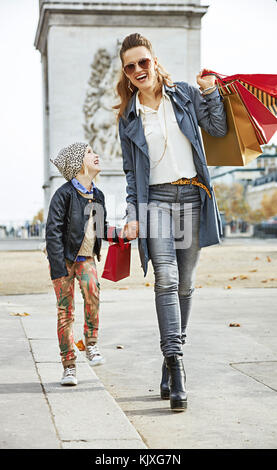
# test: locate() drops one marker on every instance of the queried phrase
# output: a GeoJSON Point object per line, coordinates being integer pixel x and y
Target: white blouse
{"type": "Point", "coordinates": [177, 161]}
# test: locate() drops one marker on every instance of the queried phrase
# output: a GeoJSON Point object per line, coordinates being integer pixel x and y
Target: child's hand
{"type": "Point", "coordinates": [130, 230]}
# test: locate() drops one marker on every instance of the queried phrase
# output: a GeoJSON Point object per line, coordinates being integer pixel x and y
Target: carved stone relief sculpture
{"type": "Point", "coordinates": [100, 119]}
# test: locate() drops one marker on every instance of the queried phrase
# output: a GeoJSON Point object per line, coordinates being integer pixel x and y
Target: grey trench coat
{"type": "Point", "coordinates": [191, 110]}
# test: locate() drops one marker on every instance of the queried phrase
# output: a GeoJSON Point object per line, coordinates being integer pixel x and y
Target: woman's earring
{"type": "Point", "coordinates": [129, 86]}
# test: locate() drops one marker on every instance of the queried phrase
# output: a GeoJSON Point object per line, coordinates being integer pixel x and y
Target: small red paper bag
{"type": "Point", "coordinates": [117, 264]}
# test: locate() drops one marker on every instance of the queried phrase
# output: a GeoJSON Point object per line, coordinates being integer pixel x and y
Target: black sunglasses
{"type": "Point", "coordinates": [143, 63]}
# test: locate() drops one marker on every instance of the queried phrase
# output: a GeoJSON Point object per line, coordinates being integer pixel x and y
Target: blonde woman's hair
{"type": "Point", "coordinates": [124, 93]}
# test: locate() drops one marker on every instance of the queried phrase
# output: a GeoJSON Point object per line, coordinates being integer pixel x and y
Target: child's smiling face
{"type": "Point", "coordinates": [91, 161]}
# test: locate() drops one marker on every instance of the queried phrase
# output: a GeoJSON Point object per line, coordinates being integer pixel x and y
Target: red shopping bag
{"type": "Point", "coordinates": [258, 93]}
{"type": "Point", "coordinates": [263, 119]}
{"type": "Point", "coordinates": [117, 264]}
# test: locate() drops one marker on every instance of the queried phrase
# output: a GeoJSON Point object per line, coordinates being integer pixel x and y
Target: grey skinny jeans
{"type": "Point", "coordinates": [173, 245]}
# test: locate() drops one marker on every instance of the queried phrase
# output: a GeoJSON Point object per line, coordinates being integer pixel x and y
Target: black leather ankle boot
{"type": "Point", "coordinates": [165, 388]}
{"type": "Point", "coordinates": [178, 394]}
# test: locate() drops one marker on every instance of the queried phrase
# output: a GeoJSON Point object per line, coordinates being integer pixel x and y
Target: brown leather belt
{"type": "Point", "coordinates": [193, 180]}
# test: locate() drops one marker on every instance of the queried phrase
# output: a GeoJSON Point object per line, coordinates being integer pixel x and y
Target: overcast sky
{"type": "Point", "coordinates": [238, 36]}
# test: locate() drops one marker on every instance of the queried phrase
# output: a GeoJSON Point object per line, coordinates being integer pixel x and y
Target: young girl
{"type": "Point", "coordinates": [75, 226]}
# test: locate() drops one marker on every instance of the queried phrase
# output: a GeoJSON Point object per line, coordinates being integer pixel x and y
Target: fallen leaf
{"type": "Point", "coordinates": [198, 287]}
{"type": "Point", "coordinates": [265, 280]}
{"type": "Point", "coordinates": [253, 270]}
{"type": "Point", "coordinates": [147, 284]}
{"type": "Point", "coordinates": [24, 314]}
{"type": "Point", "coordinates": [80, 345]}
{"type": "Point", "coordinates": [228, 287]}
{"type": "Point", "coordinates": [257, 257]}
{"type": "Point", "coordinates": [242, 276]}
{"type": "Point", "coordinates": [119, 346]}
{"type": "Point", "coordinates": [273, 279]}
{"type": "Point", "coordinates": [268, 259]}
{"type": "Point", "coordinates": [123, 288]}
{"type": "Point", "coordinates": [233, 278]}
{"type": "Point", "coordinates": [233, 323]}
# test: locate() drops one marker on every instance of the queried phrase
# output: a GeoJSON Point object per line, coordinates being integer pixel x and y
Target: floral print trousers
{"type": "Point", "coordinates": [86, 274]}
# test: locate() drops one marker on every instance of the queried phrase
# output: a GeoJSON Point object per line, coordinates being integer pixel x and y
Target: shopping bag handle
{"type": "Point", "coordinates": [120, 239]}
{"type": "Point", "coordinates": [223, 88]}
{"type": "Point", "coordinates": [123, 245]}
{"type": "Point", "coordinates": [218, 76]}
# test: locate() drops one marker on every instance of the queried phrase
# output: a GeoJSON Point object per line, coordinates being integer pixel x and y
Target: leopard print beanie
{"type": "Point", "coordinates": [69, 160]}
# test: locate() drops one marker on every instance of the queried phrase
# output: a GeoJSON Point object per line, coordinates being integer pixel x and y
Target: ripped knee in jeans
{"type": "Point", "coordinates": [185, 291]}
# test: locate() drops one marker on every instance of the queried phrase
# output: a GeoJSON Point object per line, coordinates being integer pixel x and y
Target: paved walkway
{"type": "Point", "coordinates": [232, 375]}
{"type": "Point", "coordinates": [35, 411]}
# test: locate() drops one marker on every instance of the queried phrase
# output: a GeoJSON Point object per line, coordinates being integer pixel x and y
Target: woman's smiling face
{"type": "Point", "coordinates": [143, 74]}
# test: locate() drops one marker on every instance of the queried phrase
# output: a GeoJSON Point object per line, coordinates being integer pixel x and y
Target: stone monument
{"type": "Point", "coordinates": [79, 43]}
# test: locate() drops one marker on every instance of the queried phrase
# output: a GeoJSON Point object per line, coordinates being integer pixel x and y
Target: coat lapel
{"type": "Point", "coordinates": [180, 101]}
{"type": "Point", "coordinates": [134, 129]}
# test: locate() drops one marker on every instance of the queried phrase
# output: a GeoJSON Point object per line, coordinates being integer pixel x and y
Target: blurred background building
{"type": "Point", "coordinates": [259, 177]}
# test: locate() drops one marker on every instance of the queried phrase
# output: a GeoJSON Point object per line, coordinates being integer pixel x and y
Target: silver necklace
{"type": "Point", "coordinates": [166, 135]}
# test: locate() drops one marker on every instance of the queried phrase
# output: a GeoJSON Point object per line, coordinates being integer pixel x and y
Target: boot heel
{"type": "Point", "coordinates": [178, 405]}
{"type": "Point", "coordinates": [165, 394]}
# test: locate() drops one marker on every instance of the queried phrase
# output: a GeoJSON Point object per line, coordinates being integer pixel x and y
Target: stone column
{"type": "Point", "coordinates": [78, 42]}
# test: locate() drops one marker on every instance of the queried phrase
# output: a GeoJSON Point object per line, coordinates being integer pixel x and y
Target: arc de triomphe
{"type": "Point", "coordinates": [78, 42]}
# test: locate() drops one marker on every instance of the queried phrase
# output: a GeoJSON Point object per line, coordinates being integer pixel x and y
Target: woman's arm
{"type": "Point", "coordinates": [54, 235]}
{"type": "Point", "coordinates": [209, 108]}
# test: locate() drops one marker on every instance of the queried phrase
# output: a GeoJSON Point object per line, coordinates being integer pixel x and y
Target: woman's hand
{"type": "Point", "coordinates": [205, 82]}
{"type": "Point", "coordinates": [131, 230]}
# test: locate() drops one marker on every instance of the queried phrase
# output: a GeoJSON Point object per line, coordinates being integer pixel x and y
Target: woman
{"type": "Point", "coordinates": [168, 185]}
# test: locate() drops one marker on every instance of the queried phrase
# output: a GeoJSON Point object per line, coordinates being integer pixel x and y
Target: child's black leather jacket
{"type": "Point", "coordinates": [65, 227]}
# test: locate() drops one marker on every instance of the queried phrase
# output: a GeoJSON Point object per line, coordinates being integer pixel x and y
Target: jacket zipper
{"type": "Point", "coordinates": [93, 199]}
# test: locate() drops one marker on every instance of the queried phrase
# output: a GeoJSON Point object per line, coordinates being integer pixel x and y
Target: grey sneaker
{"type": "Point", "coordinates": [94, 356]}
{"type": "Point", "coordinates": [69, 376]}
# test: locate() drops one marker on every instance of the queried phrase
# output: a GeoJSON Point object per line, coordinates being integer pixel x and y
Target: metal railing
{"type": "Point", "coordinates": [20, 232]}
